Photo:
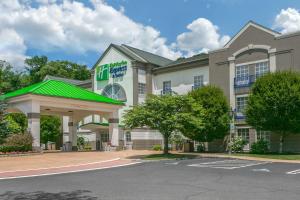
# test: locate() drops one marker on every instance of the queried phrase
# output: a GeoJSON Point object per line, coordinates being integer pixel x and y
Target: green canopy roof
{"type": "Point", "coordinates": [55, 88]}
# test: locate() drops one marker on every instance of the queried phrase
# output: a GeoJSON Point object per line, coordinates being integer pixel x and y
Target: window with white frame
{"type": "Point", "coordinates": [243, 133]}
{"type": "Point", "coordinates": [198, 81]}
{"type": "Point", "coordinates": [242, 74]}
{"type": "Point", "coordinates": [167, 86]}
{"type": "Point", "coordinates": [263, 135]}
{"type": "Point", "coordinates": [142, 88]}
{"type": "Point", "coordinates": [261, 69]}
{"type": "Point", "coordinates": [241, 103]}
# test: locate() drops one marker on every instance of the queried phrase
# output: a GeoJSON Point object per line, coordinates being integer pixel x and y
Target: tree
{"type": "Point", "coordinates": [158, 112]}
{"type": "Point", "coordinates": [4, 131]}
{"type": "Point", "coordinates": [39, 66]}
{"type": "Point", "coordinates": [213, 110]}
{"type": "Point", "coordinates": [20, 119]}
{"type": "Point", "coordinates": [274, 104]}
{"type": "Point", "coordinates": [50, 129]}
{"type": "Point", "coordinates": [34, 65]}
{"type": "Point", "coordinates": [9, 80]}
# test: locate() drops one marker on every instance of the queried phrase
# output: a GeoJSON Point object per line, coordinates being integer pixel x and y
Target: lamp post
{"type": "Point", "coordinates": [232, 128]}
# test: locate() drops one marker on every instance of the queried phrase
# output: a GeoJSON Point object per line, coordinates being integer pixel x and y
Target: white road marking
{"type": "Point", "coordinates": [174, 163]}
{"type": "Point", "coordinates": [65, 166]}
{"type": "Point", "coordinates": [261, 170]}
{"type": "Point", "coordinates": [294, 172]}
{"type": "Point", "coordinates": [74, 171]}
{"type": "Point", "coordinates": [228, 164]}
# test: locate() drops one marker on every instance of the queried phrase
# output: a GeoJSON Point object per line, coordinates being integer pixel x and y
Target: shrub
{"type": "Point", "coordinates": [237, 144]}
{"type": "Point", "coordinates": [19, 140]}
{"type": "Point", "coordinates": [157, 147]}
{"type": "Point", "coordinates": [260, 147]}
{"type": "Point", "coordinates": [80, 143]}
{"type": "Point", "coordinates": [6, 149]}
{"type": "Point", "coordinates": [200, 147]}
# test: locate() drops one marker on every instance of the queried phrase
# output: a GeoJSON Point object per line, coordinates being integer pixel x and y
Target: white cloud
{"type": "Point", "coordinates": [12, 47]}
{"type": "Point", "coordinates": [202, 36]}
{"type": "Point", "coordinates": [73, 28]}
{"type": "Point", "coordinates": [288, 20]}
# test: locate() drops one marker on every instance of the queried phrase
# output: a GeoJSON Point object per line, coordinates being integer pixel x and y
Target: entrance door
{"type": "Point", "coordinates": [104, 138]}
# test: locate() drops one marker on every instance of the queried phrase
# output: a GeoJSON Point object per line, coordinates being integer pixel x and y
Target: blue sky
{"type": "Point", "coordinates": [81, 30]}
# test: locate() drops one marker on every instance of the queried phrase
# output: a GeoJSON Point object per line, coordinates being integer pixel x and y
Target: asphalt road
{"type": "Point", "coordinates": [205, 179]}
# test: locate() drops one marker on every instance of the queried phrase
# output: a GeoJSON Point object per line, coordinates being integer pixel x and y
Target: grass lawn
{"type": "Point", "coordinates": [272, 156]}
{"type": "Point", "coordinates": [168, 156]}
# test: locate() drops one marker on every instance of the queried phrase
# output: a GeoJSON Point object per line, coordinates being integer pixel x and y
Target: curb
{"type": "Point", "coordinates": [20, 154]}
{"type": "Point", "coordinates": [250, 158]}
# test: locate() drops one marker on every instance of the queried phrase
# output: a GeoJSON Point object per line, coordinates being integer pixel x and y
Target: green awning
{"type": "Point", "coordinates": [54, 88]}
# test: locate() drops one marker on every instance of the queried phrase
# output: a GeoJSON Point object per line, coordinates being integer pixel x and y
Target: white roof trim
{"type": "Point", "coordinates": [249, 47]}
{"type": "Point", "coordinates": [246, 27]}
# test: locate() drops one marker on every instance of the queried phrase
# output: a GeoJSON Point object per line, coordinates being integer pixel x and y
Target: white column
{"type": "Point", "coordinates": [73, 132]}
{"type": "Point", "coordinates": [272, 59]}
{"type": "Point", "coordinates": [231, 81]}
{"type": "Point", "coordinates": [34, 129]}
{"type": "Point", "coordinates": [114, 128]}
{"type": "Point", "coordinates": [32, 110]}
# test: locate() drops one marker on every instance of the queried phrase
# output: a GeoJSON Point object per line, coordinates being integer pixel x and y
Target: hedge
{"type": "Point", "coordinates": [7, 149]}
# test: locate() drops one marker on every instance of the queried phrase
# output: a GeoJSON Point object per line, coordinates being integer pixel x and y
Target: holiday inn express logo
{"type": "Point", "coordinates": [116, 70]}
{"type": "Point", "coordinates": [103, 72]}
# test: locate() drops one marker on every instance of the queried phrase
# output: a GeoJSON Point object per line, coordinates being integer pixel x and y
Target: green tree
{"type": "Point", "coordinates": [20, 119]}
{"type": "Point", "coordinates": [9, 80]}
{"type": "Point", "coordinates": [157, 112]}
{"type": "Point", "coordinates": [39, 66]}
{"type": "Point", "coordinates": [213, 112]}
{"type": "Point", "coordinates": [33, 66]}
{"type": "Point", "coordinates": [50, 129]}
{"type": "Point", "coordinates": [274, 104]}
{"type": "Point", "coordinates": [4, 131]}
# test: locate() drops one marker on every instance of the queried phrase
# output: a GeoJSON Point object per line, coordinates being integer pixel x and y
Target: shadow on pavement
{"type": "Point", "coordinates": [40, 195]}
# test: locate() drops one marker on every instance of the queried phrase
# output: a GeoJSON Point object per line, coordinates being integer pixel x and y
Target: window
{"type": "Point", "coordinates": [167, 87]}
{"type": "Point", "coordinates": [261, 69]}
{"type": "Point", "coordinates": [241, 103]}
{"type": "Point", "coordinates": [263, 135]}
{"type": "Point", "coordinates": [128, 136]}
{"type": "Point", "coordinates": [242, 74]}
{"type": "Point", "coordinates": [243, 133]}
{"type": "Point", "coordinates": [114, 91]}
{"type": "Point", "coordinates": [142, 88]}
{"type": "Point", "coordinates": [198, 81]}
{"type": "Point", "coordinates": [104, 137]}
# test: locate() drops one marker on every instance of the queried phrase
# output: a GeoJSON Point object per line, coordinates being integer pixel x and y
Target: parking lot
{"type": "Point", "coordinates": [205, 179]}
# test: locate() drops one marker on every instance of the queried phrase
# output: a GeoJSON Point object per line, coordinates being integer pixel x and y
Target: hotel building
{"type": "Point", "coordinates": [129, 74]}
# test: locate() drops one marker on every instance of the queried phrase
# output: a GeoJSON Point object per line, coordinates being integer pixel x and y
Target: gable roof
{"type": "Point", "coordinates": [201, 56]}
{"type": "Point", "coordinates": [72, 81]}
{"type": "Point", "coordinates": [136, 55]}
{"type": "Point", "coordinates": [55, 88]}
{"type": "Point", "coordinates": [253, 24]}
{"type": "Point", "coordinates": [150, 57]}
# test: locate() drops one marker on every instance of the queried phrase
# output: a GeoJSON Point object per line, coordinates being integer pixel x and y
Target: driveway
{"type": "Point", "coordinates": [204, 178]}
{"type": "Point", "coordinates": [59, 163]}
{"type": "Point", "coordinates": [48, 160]}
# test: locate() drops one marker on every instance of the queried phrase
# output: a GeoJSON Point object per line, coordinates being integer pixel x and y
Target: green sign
{"type": "Point", "coordinates": [102, 72]}
{"type": "Point", "coordinates": [116, 70]}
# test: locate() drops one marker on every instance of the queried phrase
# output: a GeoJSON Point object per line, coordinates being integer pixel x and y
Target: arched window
{"type": "Point", "coordinates": [115, 91]}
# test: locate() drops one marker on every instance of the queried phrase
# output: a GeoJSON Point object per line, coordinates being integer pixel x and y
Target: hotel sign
{"type": "Point", "coordinates": [114, 70]}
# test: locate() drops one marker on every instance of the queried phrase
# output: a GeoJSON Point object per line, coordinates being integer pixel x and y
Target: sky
{"type": "Point", "coordinates": [80, 31]}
